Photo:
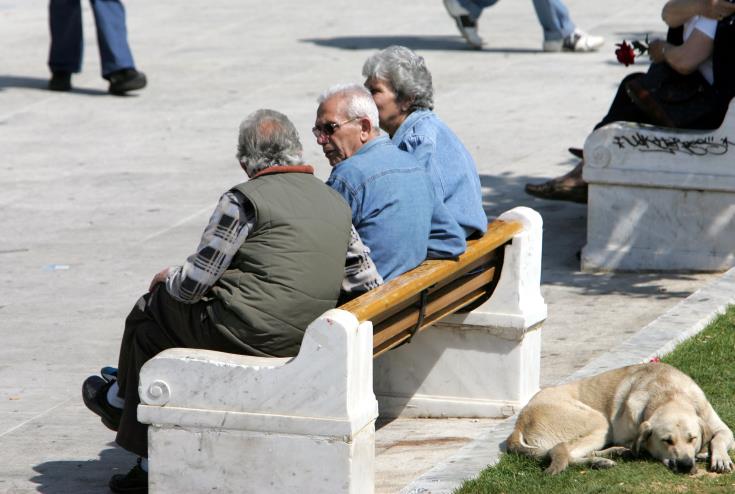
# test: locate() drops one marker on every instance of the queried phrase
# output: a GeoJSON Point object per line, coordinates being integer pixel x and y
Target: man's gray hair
{"type": "Point", "coordinates": [359, 102]}
{"type": "Point", "coordinates": [268, 138]}
{"type": "Point", "coordinates": [406, 72]}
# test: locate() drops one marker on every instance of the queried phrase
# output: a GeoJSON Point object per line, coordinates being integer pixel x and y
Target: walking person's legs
{"type": "Point", "coordinates": [115, 56]}
{"type": "Point", "coordinates": [67, 45]}
{"type": "Point", "coordinates": [560, 33]}
{"type": "Point", "coordinates": [465, 14]}
{"type": "Point", "coordinates": [554, 19]}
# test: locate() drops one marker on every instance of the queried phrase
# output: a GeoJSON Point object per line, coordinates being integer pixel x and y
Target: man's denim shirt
{"type": "Point", "coordinates": [448, 163]}
{"type": "Point", "coordinates": [394, 208]}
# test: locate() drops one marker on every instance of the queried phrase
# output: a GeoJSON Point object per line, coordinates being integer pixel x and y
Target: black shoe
{"type": "Point", "coordinates": [133, 482]}
{"type": "Point", "coordinates": [126, 80]}
{"type": "Point", "coordinates": [60, 81]}
{"type": "Point", "coordinates": [94, 394]}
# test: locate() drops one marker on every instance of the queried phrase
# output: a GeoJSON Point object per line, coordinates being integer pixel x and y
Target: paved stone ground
{"type": "Point", "coordinates": [100, 192]}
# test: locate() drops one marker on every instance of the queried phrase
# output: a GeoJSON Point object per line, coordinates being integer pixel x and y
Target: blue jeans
{"type": "Point", "coordinates": [553, 16]}
{"type": "Point", "coordinates": [67, 44]}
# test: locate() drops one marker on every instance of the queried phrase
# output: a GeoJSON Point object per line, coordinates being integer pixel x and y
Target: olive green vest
{"type": "Point", "coordinates": [289, 269]}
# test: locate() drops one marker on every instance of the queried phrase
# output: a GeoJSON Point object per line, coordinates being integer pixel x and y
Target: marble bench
{"type": "Point", "coordinates": [231, 423]}
{"type": "Point", "coordinates": [660, 199]}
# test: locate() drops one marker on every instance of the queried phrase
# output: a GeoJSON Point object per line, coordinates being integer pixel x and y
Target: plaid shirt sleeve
{"type": "Point", "coordinates": [229, 226]}
{"type": "Point", "coordinates": [361, 274]}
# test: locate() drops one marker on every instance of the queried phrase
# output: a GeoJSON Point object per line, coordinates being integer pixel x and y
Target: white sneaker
{"type": "Point", "coordinates": [578, 41]}
{"type": "Point", "coordinates": [465, 24]}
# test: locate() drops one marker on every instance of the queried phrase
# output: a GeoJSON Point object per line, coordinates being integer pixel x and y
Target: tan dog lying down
{"type": "Point", "coordinates": [647, 407]}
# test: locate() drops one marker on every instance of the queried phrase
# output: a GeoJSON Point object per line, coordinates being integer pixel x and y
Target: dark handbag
{"type": "Point", "coordinates": [671, 99]}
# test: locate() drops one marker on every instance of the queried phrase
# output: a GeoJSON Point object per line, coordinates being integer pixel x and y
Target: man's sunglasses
{"type": "Point", "coordinates": [328, 129]}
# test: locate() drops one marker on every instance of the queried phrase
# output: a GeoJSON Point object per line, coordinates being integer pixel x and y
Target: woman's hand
{"type": "Point", "coordinates": [717, 9]}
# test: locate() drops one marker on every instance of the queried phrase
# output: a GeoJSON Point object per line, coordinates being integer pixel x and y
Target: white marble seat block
{"type": "Point", "coordinates": [660, 199]}
{"type": "Point", "coordinates": [221, 422]}
{"type": "Point", "coordinates": [485, 363]}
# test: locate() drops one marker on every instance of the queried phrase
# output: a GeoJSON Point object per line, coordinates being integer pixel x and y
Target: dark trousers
{"type": "Point", "coordinates": [67, 44]}
{"type": "Point", "coordinates": [623, 109]}
{"type": "Point", "coordinates": [157, 322]}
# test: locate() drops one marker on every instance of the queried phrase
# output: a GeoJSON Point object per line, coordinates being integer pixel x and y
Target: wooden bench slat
{"type": "Point", "coordinates": [395, 293]}
{"type": "Point", "coordinates": [394, 308]}
{"type": "Point", "coordinates": [451, 298]}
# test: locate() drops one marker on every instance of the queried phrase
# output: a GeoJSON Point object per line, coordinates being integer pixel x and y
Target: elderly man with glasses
{"type": "Point", "coordinates": [270, 261]}
{"type": "Point", "coordinates": [394, 208]}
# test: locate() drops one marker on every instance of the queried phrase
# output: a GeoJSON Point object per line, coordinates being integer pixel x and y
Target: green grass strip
{"type": "Point", "coordinates": [709, 358]}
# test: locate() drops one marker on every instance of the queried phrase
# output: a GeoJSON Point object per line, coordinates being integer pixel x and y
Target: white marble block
{"type": "Point", "coordinates": [484, 363]}
{"type": "Point", "coordinates": [660, 199]}
{"type": "Point", "coordinates": [221, 422]}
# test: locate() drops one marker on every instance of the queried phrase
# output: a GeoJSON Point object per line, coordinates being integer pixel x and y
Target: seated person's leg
{"type": "Point", "coordinates": [571, 186]}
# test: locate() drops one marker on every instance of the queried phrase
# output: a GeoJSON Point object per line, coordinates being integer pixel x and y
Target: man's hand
{"type": "Point", "coordinates": [656, 50]}
{"type": "Point", "coordinates": [159, 278]}
{"type": "Point", "coordinates": [717, 9]}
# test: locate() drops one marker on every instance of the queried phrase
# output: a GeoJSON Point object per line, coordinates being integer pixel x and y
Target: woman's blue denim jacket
{"type": "Point", "coordinates": [448, 163]}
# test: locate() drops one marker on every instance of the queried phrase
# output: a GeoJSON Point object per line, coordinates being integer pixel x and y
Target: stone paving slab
{"type": "Point", "coordinates": [98, 193]}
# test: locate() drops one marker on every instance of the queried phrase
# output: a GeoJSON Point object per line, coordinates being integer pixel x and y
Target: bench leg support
{"type": "Point", "coordinates": [221, 422]}
{"type": "Point", "coordinates": [482, 364]}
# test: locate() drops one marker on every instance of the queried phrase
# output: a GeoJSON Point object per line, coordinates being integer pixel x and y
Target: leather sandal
{"type": "Point", "coordinates": [553, 190]}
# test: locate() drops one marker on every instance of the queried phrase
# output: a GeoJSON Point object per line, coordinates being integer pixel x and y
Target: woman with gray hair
{"type": "Point", "coordinates": [401, 86]}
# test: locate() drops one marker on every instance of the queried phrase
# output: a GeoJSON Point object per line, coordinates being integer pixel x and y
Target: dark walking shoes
{"type": "Point", "coordinates": [94, 394]}
{"type": "Point", "coordinates": [133, 482]}
{"type": "Point", "coordinates": [60, 81]}
{"type": "Point", "coordinates": [121, 81]}
{"type": "Point", "coordinates": [126, 80]}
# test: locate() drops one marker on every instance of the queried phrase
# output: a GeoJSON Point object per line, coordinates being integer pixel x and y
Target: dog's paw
{"type": "Point", "coordinates": [601, 463]}
{"type": "Point", "coordinates": [616, 452]}
{"type": "Point", "coordinates": [555, 469]}
{"type": "Point", "coordinates": [721, 463]}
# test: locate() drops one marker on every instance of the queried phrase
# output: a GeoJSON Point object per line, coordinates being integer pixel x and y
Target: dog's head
{"type": "Point", "coordinates": [674, 434]}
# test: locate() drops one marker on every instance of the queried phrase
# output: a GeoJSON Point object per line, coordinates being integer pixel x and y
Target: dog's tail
{"type": "Point", "coordinates": [516, 444]}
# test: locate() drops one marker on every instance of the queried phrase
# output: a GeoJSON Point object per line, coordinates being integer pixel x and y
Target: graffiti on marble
{"type": "Point", "coordinates": [701, 146]}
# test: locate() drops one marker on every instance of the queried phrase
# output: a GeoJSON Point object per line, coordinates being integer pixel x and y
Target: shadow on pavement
{"type": "Point", "coordinates": [413, 42]}
{"type": "Point", "coordinates": [12, 81]}
{"type": "Point", "coordinates": [81, 477]}
{"type": "Point", "coordinates": [565, 233]}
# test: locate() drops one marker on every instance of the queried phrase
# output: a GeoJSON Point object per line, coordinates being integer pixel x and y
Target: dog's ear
{"type": "Point", "coordinates": [644, 432]}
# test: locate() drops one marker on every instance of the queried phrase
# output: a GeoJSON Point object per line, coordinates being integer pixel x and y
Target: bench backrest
{"type": "Point", "coordinates": [433, 290]}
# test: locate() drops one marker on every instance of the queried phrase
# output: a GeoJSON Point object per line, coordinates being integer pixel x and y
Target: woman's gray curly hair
{"type": "Point", "coordinates": [268, 138]}
{"type": "Point", "coordinates": [406, 72]}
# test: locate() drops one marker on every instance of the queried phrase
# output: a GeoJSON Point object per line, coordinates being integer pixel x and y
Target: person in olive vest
{"type": "Point", "coordinates": [270, 261]}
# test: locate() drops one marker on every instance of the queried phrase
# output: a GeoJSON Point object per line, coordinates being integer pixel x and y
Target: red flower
{"type": "Point", "coordinates": [625, 54]}
{"type": "Point", "coordinates": [655, 359]}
